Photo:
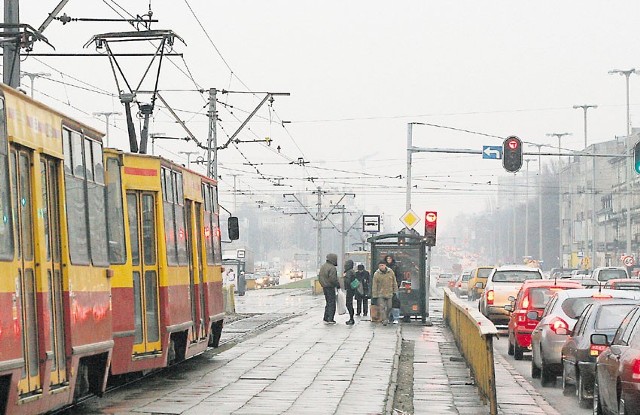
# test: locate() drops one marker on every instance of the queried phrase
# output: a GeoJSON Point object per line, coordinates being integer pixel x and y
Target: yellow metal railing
{"type": "Point", "coordinates": [474, 334]}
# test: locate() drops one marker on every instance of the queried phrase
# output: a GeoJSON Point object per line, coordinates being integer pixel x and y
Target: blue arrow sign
{"type": "Point", "coordinates": [492, 152]}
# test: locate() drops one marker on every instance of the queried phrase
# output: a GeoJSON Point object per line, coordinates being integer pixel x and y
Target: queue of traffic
{"type": "Point", "coordinates": [581, 329]}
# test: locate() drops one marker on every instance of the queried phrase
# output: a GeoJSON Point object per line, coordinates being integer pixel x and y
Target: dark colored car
{"type": "Point", "coordinates": [623, 284]}
{"type": "Point", "coordinates": [579, 354]}
{"type": "Point", "coordinates": [533, 296]}
{"type": "Point", "coordinates": [617, 379]}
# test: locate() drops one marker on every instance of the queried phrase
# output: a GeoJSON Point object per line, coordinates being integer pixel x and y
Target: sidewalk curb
{"type": "Point", "coordinates": [391, 391]}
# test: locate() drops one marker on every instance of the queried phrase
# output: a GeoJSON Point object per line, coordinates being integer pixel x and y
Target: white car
{"type": "Point", "coordinates": [604, 274]}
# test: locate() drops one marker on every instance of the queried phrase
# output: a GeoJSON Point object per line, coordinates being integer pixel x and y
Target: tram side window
{"type": "Point", "coordinates": [217, 249]}
{"type": "Point", "coordinates": [85, 199]}
{"type": "Point", "coordinates": [181, 226]}
{"type": "Point", "coordinates": [174, 219]}
{"type": "Point", "coordinates": [211, 231]}
{"type": "Point", "coordinates": [115, 213]}
{"type": "Point", "coordinates": [6, 223]}
{"type": "Point", "coordinates": [169, 229]}
{"type": "Point", "coordinates": [76, 201]}
{"type": "Point", "coordinates": [97, 204]}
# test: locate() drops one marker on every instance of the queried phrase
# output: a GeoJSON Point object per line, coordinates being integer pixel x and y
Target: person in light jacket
{"type": "Point", "coordinates": [383, 288]}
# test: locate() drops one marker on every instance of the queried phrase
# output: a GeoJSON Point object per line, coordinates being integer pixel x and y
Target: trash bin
{"type": "Point", "coordinates": [242, 284]}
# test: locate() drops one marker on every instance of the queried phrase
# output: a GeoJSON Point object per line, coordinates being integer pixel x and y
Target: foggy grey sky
{"type": "Point", "coordinates": [357, 72]}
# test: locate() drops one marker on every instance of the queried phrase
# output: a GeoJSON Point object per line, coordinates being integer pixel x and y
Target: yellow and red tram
{"type": "Point", "coordinates": [110, 262]}
{"type": "Point", "coordinates": [55, 308]}
{"type": "Point", "coordinates": [166, 261]}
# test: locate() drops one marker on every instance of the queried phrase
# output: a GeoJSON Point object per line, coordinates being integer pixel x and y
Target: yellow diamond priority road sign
{"type": "Point", "coordinates": [410, 219]}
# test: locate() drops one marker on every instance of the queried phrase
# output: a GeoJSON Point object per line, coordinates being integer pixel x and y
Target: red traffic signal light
{"type": "Point", "coordinates": [430, 227]}
{"type": "Point", "coordinates": [512, 154]}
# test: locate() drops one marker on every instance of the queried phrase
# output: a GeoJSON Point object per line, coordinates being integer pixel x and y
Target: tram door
{"type": "Point", "coordinates": [141, 208]}
{"type": "Point", "coordinates": [53, 267]}
{"type": "Point", "coordinates": [201, 267]}
{"type": "Point", "coordinates": [196, 288]}
{"type": "Point", "coordinates": [25, 284]}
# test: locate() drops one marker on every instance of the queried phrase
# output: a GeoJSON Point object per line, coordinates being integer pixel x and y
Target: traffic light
{"type": "Point", "coordinates": [636, 157]}
{"type": "Point", "coordinates": [512, 154]}
{"type": "Point", "coordinates": [430, 225]}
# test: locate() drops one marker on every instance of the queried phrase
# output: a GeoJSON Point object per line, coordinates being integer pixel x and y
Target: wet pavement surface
{"type": "Point", "coordinates": [287, 361]}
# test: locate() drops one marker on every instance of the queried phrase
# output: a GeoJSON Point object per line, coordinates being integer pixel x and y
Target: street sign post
{"type": "Point", "coordinates": [371, 223]}
{"type": "Point", "coordinates": [491, 152]}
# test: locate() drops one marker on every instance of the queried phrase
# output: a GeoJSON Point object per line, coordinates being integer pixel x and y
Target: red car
{"type": "Point", "coordinates": [533, 296]}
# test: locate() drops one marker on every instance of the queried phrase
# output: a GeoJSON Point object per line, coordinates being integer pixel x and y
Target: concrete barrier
{"type": "Point", "coordinates": [474, 334]}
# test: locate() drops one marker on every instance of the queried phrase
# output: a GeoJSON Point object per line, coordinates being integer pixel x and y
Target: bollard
{"type": "Point", "coordinates": [230, 305]}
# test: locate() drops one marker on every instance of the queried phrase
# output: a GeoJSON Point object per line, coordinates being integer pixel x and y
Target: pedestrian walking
{"type": "Point", "coordinates": [362, 299]}
{"type": "Point", "coordinates": [328, 278]}
{"type": "Point", "coordinates": [349, 278]}
{"type": "Point", "coordinates": [383, 288]}
{"type": "Point", "coordinates": [395, 301]}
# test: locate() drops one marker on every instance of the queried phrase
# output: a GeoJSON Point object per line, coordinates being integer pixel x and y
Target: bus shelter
{"type": "Point", "coordinates": [408, 250]}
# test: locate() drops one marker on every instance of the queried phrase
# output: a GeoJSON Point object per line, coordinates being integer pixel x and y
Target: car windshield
{"type": "Point", "coordinates": [609, 274]}
{"type": "Point", "coordinates": [610, 316]}
{"type": "Point", "coordinates": [484, 272]}
{"type": "Point", "coordinates": [539, 297]}
{"type": "Point", "coordinates": [516, 276]}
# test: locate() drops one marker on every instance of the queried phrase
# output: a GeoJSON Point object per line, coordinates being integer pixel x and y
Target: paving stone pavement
{"type": "Point", "coordinates": [303, 366]}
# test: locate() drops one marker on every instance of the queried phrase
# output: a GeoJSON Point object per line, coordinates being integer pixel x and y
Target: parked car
{"type": "Point", "coordinates": [579, 354]}
{"type": "Point", "coordinates": [533, 296]}
{"type": "Point", "coordinates": [502, 283]}
{"type": "Point", "coordinates": [623, 284]}
{"type": "Point", "coordinates": [478, 274]}
{"type": "Point", "coordinates": [461, 287]}
{"type": "Point", "coordinates": [604, 274]}
{"type": "Point", "coordinates": [557, 321]}
{"type": "Point", "coordinates": [617, 377]}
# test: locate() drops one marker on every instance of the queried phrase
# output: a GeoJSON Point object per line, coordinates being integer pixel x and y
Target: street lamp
{"type": "Point", "coordinates": [33, 75]}
{"type": "Point", "coordinates": [593, 185]}
{"type": "Point", "coordinates": [627, 74]}
{"type": "Point", "coordinates": [106, 116]}
{"type": "Point", "coordinates": [559, 137]}
{"type": "Point", "coordinates": [188, 154]}
{"type": "Point", "coordinates": [539, 201]}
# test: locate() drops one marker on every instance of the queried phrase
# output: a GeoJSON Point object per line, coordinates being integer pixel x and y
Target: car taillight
{"type": "Point", "coordinates": [635, 370]}
{"type": "Point", "coordinates": [525, 302]}
{"type": "Point", "coordinates": [559, 326]}
{"type": "Point", "coordinates": [490, 297]}
{"type": "Point", "coordinates": [459, 284]}
{"type": "Point", "coordinates": [596, 349]}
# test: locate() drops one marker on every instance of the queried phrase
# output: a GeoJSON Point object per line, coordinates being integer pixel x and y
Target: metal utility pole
{"type": "Point", "coordinates": [627, 152]}
{"type": "Point", "coordinates": [212, 139]}
{"type": "Point", "coordinates": [33, 75]}
{"type": "Point", "coordinates": [11, 49]}
{"type": "Point", "coordinates": [539, 202]}
{"type": "Point", "coordinates": [526, 214]}
{"type": "Point", "coordinates": [561, 251]}
{"type": "Point", "coordinates": [593, 186]}
{"type": "Point", "coordinates": [106, 116]}
{"type": "Point", "coordinates": [409, 154]}
{"type": "Point", "coordinates": [513, 226]}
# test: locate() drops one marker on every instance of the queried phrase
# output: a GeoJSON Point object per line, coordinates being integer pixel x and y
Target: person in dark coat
{"type": "Point", "coordinates": [362, 301]}
{"type": "Point", "coordinates": [328, 278]}
{"type": "Point", "coordinates": [349, 277]}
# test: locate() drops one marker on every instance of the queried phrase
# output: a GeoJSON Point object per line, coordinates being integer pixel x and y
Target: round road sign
{"type": "Point", "coordinates": [431, 217]}
{"type": "Point", "coordinates": [628, 261]}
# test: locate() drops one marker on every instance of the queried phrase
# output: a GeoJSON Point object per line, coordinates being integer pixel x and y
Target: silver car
{"type": "Point", "coordinates": [557, 321]}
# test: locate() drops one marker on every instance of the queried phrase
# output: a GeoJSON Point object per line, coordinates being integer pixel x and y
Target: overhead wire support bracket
{"type": "Point", "coordinates": [21, 34]}
{"type": "Point", "coordinates": [127, 97]}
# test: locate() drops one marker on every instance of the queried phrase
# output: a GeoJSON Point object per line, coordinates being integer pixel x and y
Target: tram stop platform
{"type": "Point", "coordinates": [303, 366]}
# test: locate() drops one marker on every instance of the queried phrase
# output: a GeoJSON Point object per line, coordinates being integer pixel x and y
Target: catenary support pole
{"type": "Point", "coordinates": [11, 49]}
